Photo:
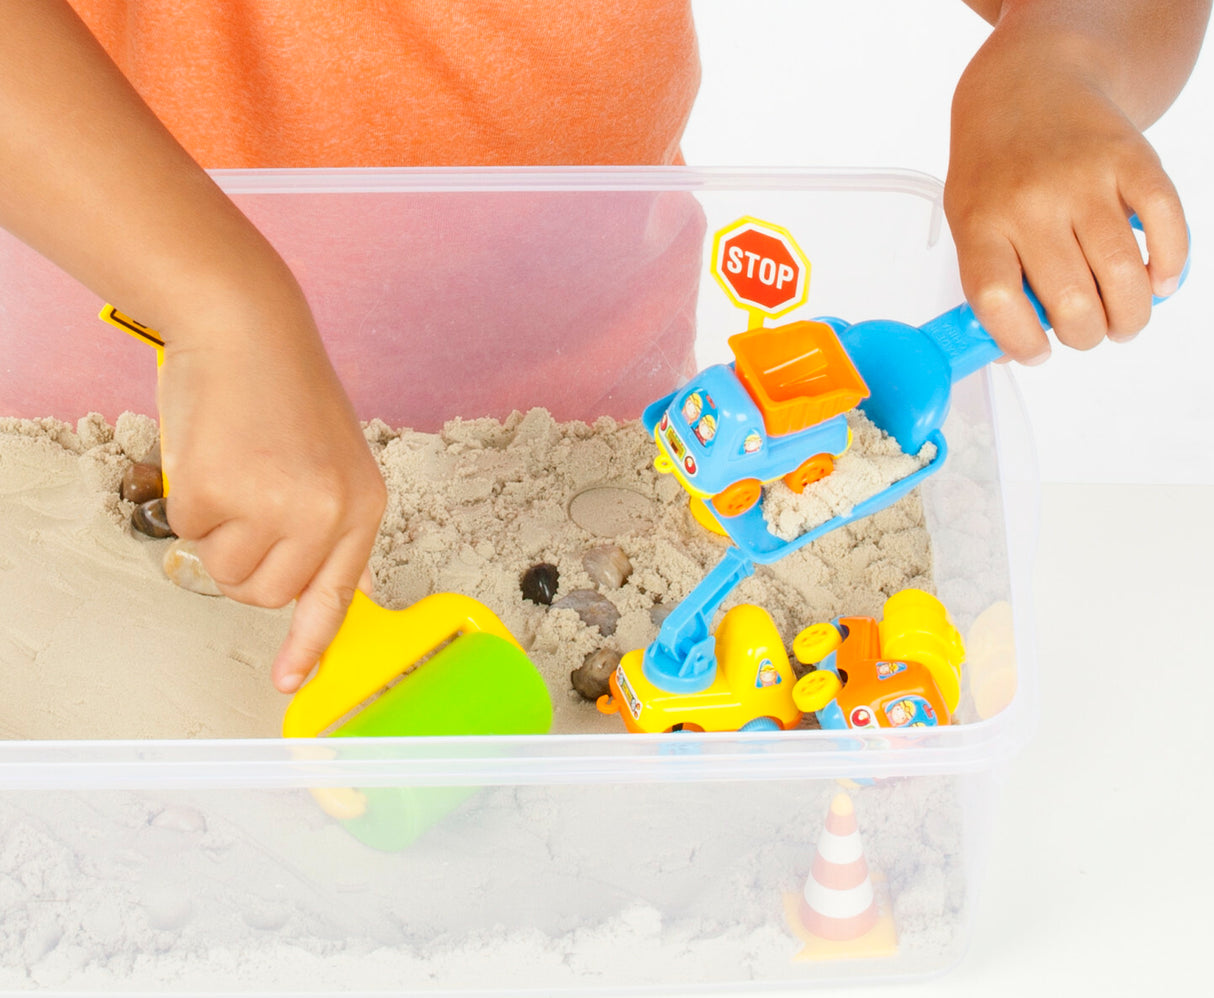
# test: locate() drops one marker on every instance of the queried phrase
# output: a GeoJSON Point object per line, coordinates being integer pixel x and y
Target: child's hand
{"type": "Point", "coordinates": [1044, 169]}
{"type": "Point", "coordinates": [269, 472]}
{"type": "Point", "coordinates": [265, 461]}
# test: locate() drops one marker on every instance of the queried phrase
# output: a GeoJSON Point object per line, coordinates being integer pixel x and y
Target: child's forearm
{"type": "Point", "coordinates": [90, 178]}
{"type": "Point", "coordinates": [1143, 50]}
{"type": "Point", "coordinates": [271, 474]}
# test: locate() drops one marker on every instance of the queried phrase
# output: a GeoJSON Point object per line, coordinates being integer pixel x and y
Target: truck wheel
{"type": "Point", "coordinates": [815, 642]}
{"type": "Point", "coordinates": [813, 470]}
{"type": "Point", "coordinates": [738, 497]}
{"type": "Point", "coordinates": [815, 690]}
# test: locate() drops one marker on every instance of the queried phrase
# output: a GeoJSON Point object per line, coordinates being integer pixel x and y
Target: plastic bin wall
{"type": "Point", "coordinates": [577, 862]}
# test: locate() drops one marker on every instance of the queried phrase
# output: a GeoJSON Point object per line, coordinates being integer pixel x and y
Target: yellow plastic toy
{"type": "Point", "coordinates": [144, 334]}
{"type": "Point", "coordinates": [752, 689]}
{"type": "Point", "coordinates": [916, 626]}
{"type": "Point", "coordinates": [903, 671]}
{"type": "Point", "coordinates": [476, 679]}
{"type": "Point", "coordinates": [460, 672]}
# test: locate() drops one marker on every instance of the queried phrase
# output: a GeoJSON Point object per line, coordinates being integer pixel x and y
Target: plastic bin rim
{"type": "Point", "coordinates": [507, 760]}
{"type": "Point", "coordinates": [538, 759]}
{"type": "Point", "coordinates": [406, 179]}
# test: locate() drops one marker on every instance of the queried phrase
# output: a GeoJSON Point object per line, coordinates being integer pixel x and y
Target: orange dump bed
{"type": "Point", "coordinates": [798, 374]}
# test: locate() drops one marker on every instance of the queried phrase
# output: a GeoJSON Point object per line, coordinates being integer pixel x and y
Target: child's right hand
{"type": "Point", "coordinates": [1048, 159]}
{"type": "Point", "coordinates": [268, 468]}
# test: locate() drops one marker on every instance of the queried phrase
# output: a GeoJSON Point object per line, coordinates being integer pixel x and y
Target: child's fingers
{"type": "Point", "coordinates": [993, 285]}
{"type": "Point", "coordinates": [1058, 272]}
{"type": "Point", "coordinates": [233, 551]}
{"type": "Point", "coordinates": [1112, 254]}
{"type": "Point", "coordinates": [1150, 193]}
{"type": "Point", "coordinates": [319, 612]}
{"type": "Point", "coordinates": [190, 512]}
{"type": "Point", "coordinates": [286, 569]}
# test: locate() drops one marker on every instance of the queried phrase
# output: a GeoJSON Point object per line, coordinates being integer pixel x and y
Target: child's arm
{"type": "Point", "coordinates": [1048, 158]}
{"type": "Point", "coordinates": [269, 469]}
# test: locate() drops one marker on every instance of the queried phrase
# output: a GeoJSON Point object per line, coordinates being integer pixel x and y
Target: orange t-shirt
{"type": "Point", "coordinates": [335, 83]}
{"type": "Point", "coordinates": [431, 304]}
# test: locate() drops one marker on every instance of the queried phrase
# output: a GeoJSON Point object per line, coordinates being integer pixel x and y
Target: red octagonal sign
{"type": "Point", "coordinates": [760, 266]}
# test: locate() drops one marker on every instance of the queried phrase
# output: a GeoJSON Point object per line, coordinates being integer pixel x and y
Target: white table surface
{"type": "Point", "coordinates": [1100, 879]}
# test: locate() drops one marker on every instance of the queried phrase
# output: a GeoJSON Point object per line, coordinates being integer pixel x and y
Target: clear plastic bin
{"type": "Point", "coordinates": [582, 863]}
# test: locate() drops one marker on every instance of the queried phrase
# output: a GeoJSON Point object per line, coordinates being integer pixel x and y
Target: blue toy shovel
{"type": "Point", "coordinates": [910, 372]}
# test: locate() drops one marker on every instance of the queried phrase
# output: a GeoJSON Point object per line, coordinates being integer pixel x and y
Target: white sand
{"type": "Point", "coordinates": [667, 883]}
{"type": "Point", "coordinates": [871, 464]}
{"type": "Point", "coordinates": [538, 887]}
{"type": "Point", "coordinates": [98, 644]}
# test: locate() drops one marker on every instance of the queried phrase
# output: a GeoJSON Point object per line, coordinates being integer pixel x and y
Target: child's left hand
{"type": "Point", "coordinates": [1044, 170]}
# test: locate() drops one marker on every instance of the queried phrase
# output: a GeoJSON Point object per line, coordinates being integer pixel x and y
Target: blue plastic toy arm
{"type": "Point", "coordinates": [682, 658]}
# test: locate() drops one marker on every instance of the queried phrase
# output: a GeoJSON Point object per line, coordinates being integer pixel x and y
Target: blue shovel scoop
{"type": "Point", "coordinates": [910, 372]}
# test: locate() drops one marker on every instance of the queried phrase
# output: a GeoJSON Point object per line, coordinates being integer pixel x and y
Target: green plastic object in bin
{"type": "Point", "coordinates": [464, 674]}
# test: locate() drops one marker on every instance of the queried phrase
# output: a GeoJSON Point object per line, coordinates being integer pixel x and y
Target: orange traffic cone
{"type": "Point", "coordinates": [841, 914]}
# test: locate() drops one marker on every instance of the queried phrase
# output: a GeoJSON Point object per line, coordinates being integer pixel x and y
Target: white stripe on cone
{"type": "Point", "coordinates": [839, 848]}
{"type": "Point", "coordinates": [839, 902]}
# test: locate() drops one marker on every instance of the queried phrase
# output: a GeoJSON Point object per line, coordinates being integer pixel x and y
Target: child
{"type": "Point", "coordinates": [1047, 158]}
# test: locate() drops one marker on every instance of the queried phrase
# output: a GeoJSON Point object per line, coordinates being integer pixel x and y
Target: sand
{"type": "Point", "coordinates": [98, 644]}
{"type": "Point", "coordinates": [535, 887]}
{"type": "Point", "coordinates": [256, 889]}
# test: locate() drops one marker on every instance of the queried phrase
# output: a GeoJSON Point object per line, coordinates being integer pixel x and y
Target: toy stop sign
{"type": "Point", "coordinates": [760, 267]}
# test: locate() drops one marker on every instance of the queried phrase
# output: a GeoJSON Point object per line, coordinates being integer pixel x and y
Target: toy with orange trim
{"type": "Point", "coordinates": [902, 672]}
{"type": "Point", "coordinates": [776, 412]}
{"type": "Point", "coordinates": [751, 688]}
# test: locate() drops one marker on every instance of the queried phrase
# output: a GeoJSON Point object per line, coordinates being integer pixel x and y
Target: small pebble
{"type": "Point", "coordinates": [607, 565]}
{"type": "Point", "coordinates": [590, 678]}
{"type": "Point", "coordinates": [180, 818]}
{"type": "Point", "coordinates": [152, 519]}
{"type": "Point", "coordinates": [659, 612]}
{"type": "Point", "coordinates": [268, 917]}
{"type": "Point", "coordinates": [167, 908]}
{"type": "Point", "coordinates": [539, 583]}
{"type": "Point", "coordinates": [184, 568]}
{"type": "Point", "coordinates": [595, 609]}
{"type": "Point", "coordinates": [142, 482]}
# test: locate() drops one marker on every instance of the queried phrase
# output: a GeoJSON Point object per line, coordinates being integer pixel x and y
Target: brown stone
{"type": "Point", "coordinates": [595, 609]}
{"type": "Point", "coordinates": [590, 678]}
{"type": "Point", "coordinates": [607, 566]}
{"type": "Point", "coordinates": [142, 482]}
{"type": "Point", "coordinates": [151, 518]}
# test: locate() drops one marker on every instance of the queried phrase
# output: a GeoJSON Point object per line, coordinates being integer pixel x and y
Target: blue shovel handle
{"type": "Point", "coordinates": [970, 347]}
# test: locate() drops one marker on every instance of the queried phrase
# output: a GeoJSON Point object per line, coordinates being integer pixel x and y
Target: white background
{"type": "Point", "coordinates": [869, 83]}
{"type": "Point", "coordinates": [1099, 879]}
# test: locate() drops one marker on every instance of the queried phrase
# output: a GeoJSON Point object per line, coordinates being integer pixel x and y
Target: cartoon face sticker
{"type": "Point", "coordinates": [752, 442]}
{"type": "Point", "coordinates": [900, 714]}
{"type": "Point", "coordinates": [910, 712]}
{"type": "Point", "coordinates": [767, 674]}
{"type": "Point", "coordinates": [887, 669]}
{"type": "Point", "coordinates": [692, 406]}
{"type": "Point", "coordinates": [706, 429]}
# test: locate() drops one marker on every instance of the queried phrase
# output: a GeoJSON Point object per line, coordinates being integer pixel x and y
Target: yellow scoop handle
{"type": "Point", "coordinates": [374, 646]}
